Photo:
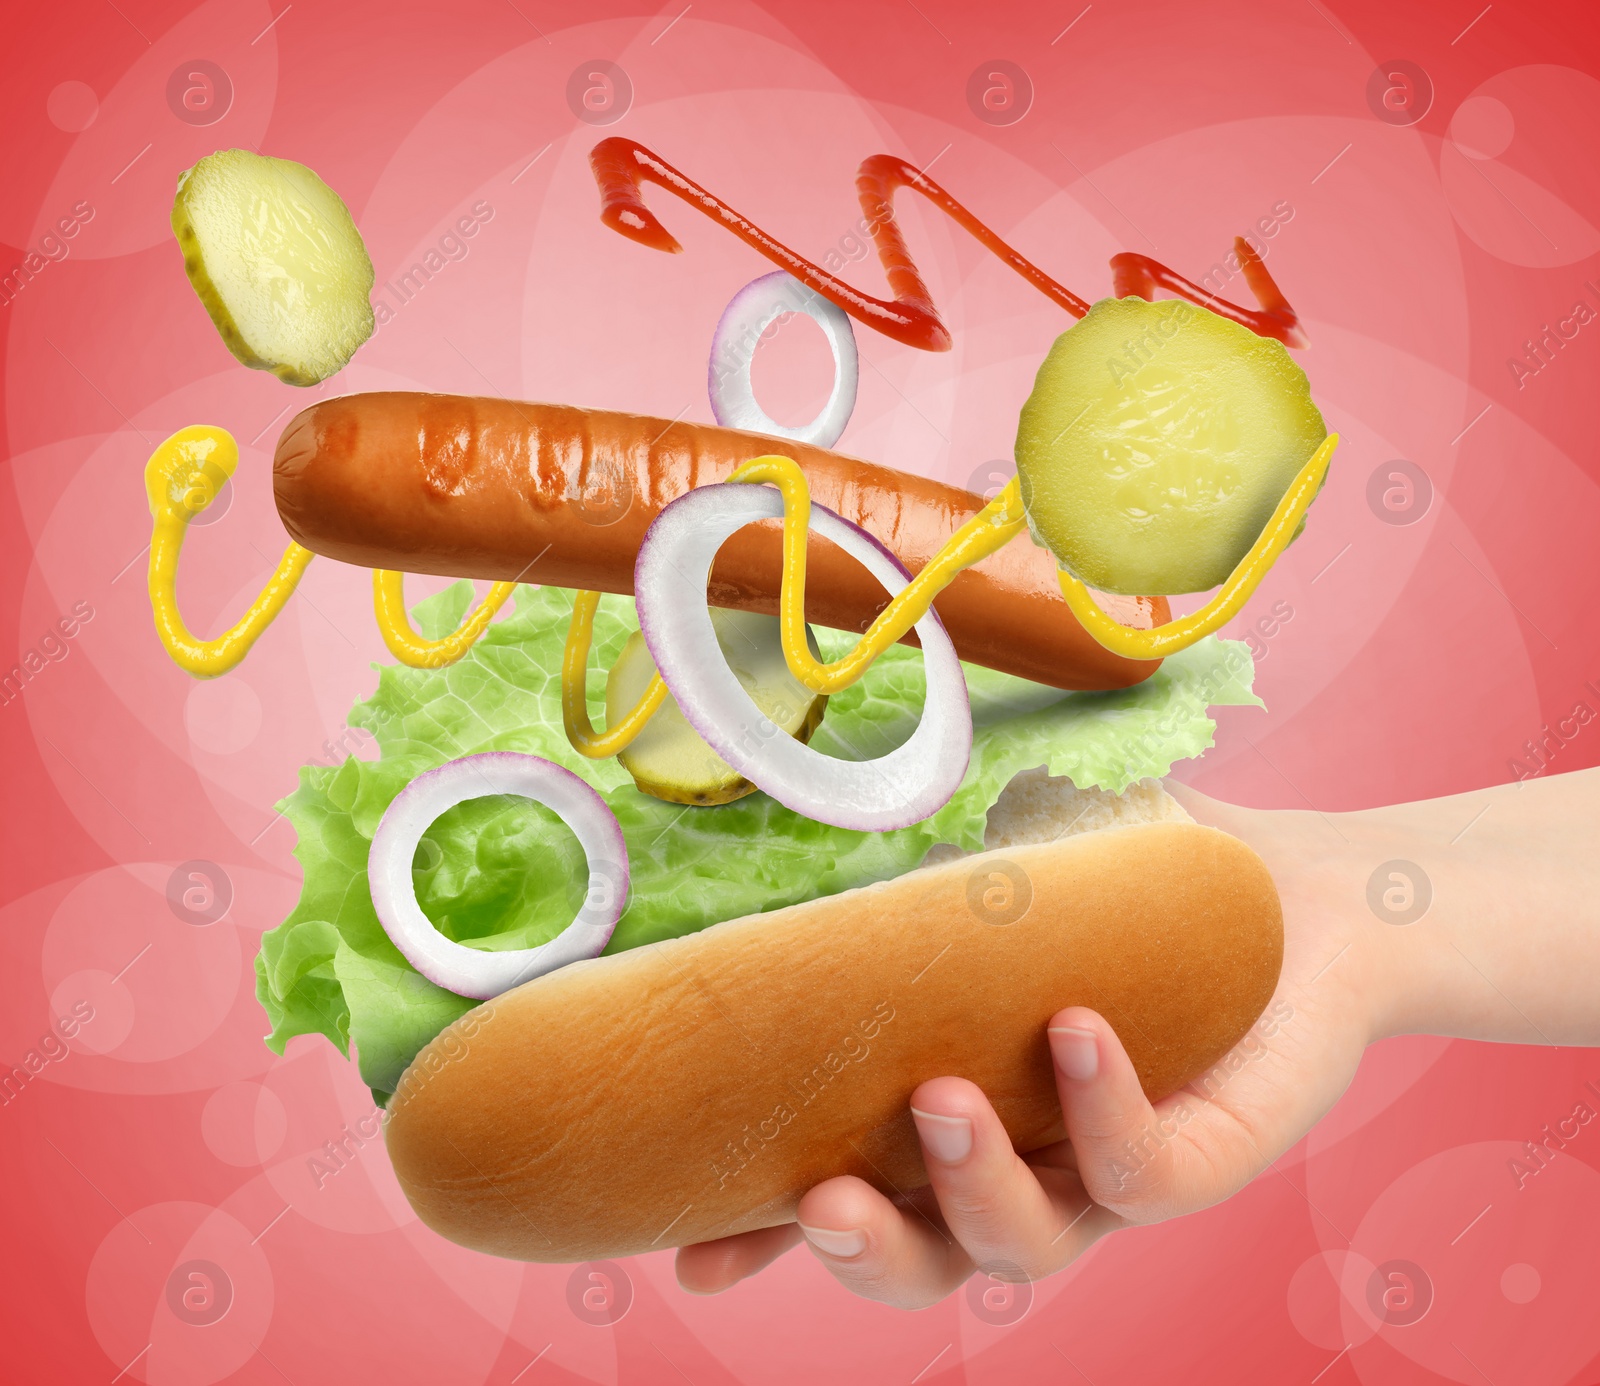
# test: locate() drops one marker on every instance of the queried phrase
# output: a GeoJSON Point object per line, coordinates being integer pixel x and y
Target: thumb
{"type": "Point", "coordinates": [1141, 1161]}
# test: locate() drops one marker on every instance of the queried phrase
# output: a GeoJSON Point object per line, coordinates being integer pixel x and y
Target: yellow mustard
{"type": "Point", "coordinates": [183, 476]}
{"type": "Point", "coordinates": [1231, 596]}
{"type": "Point", "coordinates": [989, 530]}
{"type": "Point", "coordinates": [574, 690]}
{"type": "Point", "coordinates": [389, 606]}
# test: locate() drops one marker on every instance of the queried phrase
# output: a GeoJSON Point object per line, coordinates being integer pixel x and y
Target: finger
{"type": "Point", "coordinates": [708, 1268]}
{"type": "Point", "coordinates": [1010, 1217]}
{"type": "Point", "coordinates": [1136, 1159]}
{"type": "Point", "coordinates": [879, 1250]}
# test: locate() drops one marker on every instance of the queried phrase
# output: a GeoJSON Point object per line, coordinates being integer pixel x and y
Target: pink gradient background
{"type": "Point", "coordinates": [1418, 660]}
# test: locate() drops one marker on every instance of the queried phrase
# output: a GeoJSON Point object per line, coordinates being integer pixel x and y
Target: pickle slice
{"type": "Point", "coordinates": [1157, 442]}
{"type": "Point", "coordinates": [277, 262]}
{"type": "Point", "coordinates": [668, 759]}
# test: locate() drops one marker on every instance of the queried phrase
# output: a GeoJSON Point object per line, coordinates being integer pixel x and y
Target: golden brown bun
{"type": "Point", "coordinates": [695, 1088]}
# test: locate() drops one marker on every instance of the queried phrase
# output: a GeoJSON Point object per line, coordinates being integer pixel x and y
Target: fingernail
{"type": "Point", "coordinates": [1077, 1051]}
{"type": "Point", "coordinates": [851, 1242]}
{"type": "Point", "coordinates": [946, 1138]}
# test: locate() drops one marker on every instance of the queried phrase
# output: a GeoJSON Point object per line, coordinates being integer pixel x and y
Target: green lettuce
{"type": "Point", "coordinates": [499, 873]}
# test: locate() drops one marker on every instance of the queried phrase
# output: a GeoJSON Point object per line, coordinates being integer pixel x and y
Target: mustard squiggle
{"type": "Point", "coordinates": [183, 476]}
{"type": "Point", "coordinates": [990, 529]}
{"type": "Point", "coordinates": [389, 608]}
{"type": "Point", "coordinates": [574, 690]}
{"type": "Point", "coordinates": [1231, 596]}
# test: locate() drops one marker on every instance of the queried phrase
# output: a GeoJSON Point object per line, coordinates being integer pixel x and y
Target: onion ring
{"type": "Point", "coordinates": [892, 791]}
{"type": "Point", "coordinates": [733, 350]}
{"type": "Point", "coordinates": [473, 971]}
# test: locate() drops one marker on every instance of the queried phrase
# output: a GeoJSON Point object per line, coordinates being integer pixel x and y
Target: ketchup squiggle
{"type": "Point", "coordinates": [622, 166]}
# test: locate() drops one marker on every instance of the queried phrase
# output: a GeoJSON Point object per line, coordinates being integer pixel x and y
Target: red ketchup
{"type": "Point", "coordinates": [622, 166]}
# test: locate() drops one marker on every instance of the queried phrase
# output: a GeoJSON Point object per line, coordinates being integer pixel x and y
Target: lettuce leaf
{"type": "Point", "coordinates": [500, 872]}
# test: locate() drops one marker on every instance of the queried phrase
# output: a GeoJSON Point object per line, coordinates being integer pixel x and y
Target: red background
{"type": "Point", "coordinates": [1418, 661]}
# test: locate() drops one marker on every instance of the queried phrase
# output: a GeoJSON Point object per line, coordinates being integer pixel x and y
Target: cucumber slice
{"type": "Point", "coordinates": [277, 261]}
{"type": "Point", "coordinates": [668, 759]}
{"type": "Point", "coordinates": [1157, 442]}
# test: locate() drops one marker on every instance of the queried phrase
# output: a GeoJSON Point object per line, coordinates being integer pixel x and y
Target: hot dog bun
{"type": "Point", "coordinates": [695, 1088]}
{"type": "Point", "coordinates": [549, 493]}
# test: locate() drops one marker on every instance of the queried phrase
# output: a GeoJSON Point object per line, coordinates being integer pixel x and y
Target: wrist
{"type": "Point", "coordinates": [1336, 952]}
{"type": "Point", "coordinates": [1390, 884]}
{"type": "Point", "coordinates": [1473, 916]}
{"type": "Point", "coordinates": [1419, 882]}
{"type": "Point", "coordinates": [1398, 883]}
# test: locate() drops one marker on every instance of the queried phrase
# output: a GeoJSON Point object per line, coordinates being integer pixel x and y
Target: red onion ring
{"type": "Point", "coordinates": [891, 791]}
{"type": "Point", "coordinates": [472, 971]}
{"type": "Point", "coordinates": [733, 349]}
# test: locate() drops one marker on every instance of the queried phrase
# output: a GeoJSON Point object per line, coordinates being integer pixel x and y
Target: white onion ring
{"type": "Point", "coordinates": [669, 579]}
{"type": "Point", "coordinates": [733, 349]}
{"type": "Point", "coordinates": [472, 971]}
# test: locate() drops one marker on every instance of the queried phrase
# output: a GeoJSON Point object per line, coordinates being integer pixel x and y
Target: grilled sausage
{"type": "Point", "coordinates": [548, 493]}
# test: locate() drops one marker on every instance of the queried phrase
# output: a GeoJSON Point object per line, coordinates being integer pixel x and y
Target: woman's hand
{"type": "Point", "coordinates": [1506, 950]}
{"type": "Point", "coordinates": [1124, 1161]}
